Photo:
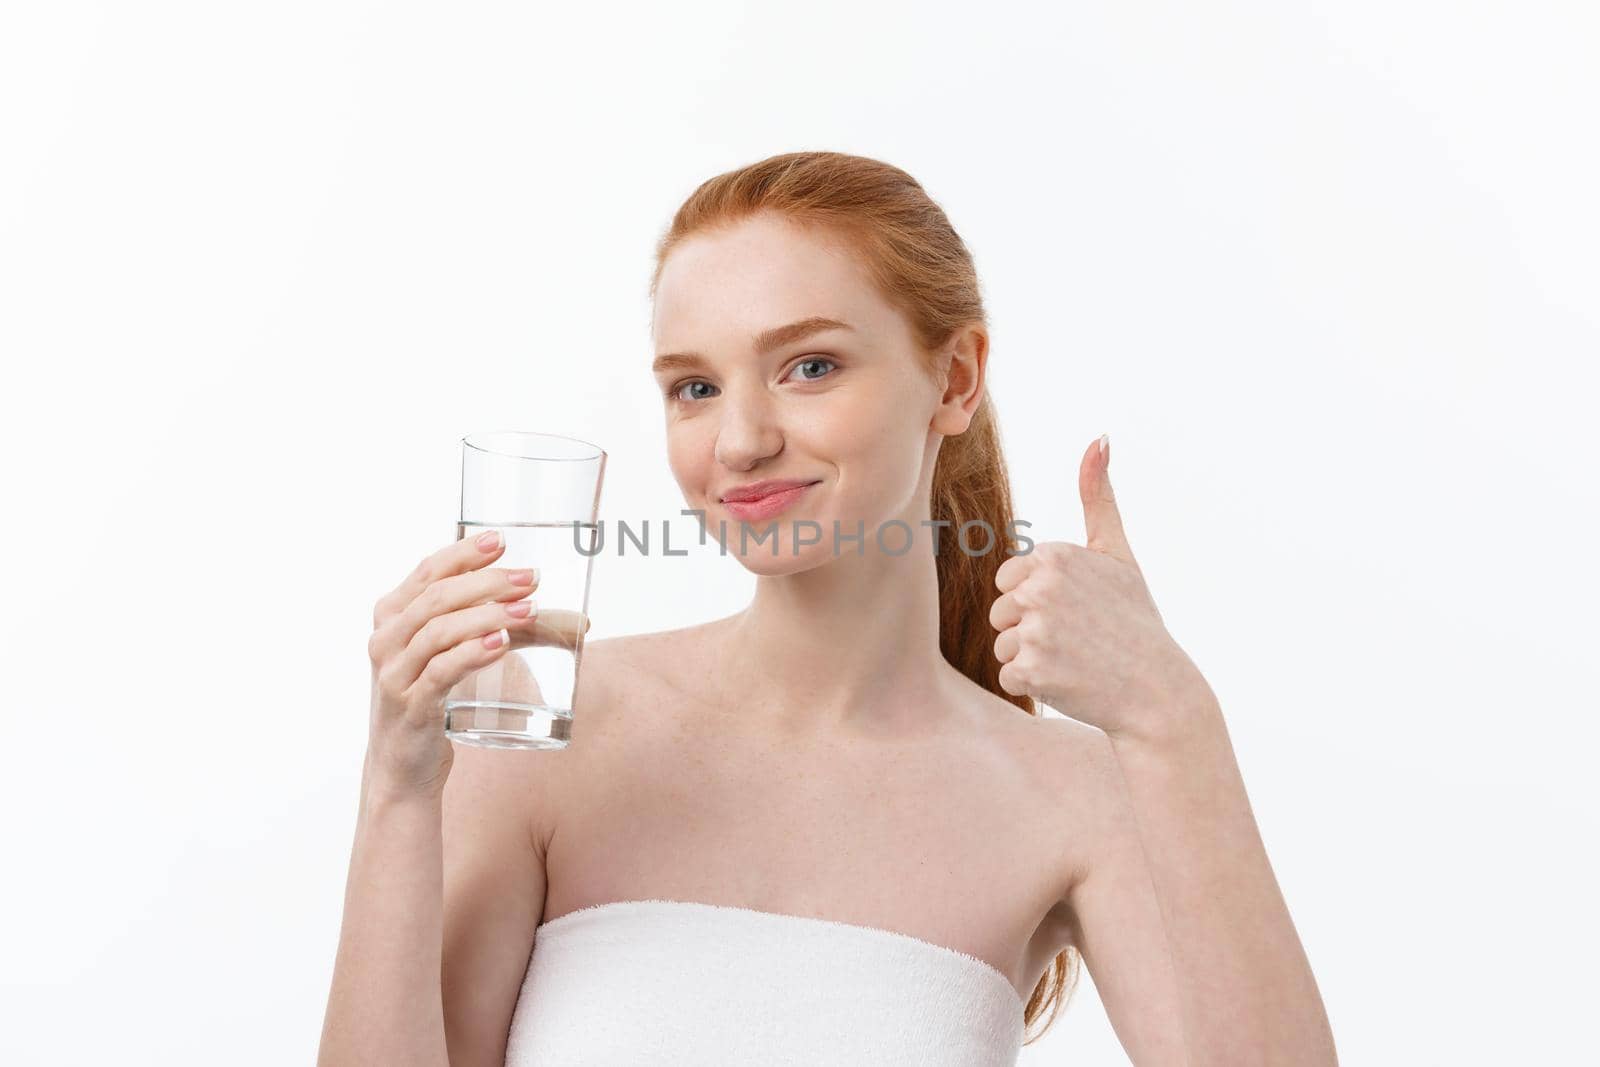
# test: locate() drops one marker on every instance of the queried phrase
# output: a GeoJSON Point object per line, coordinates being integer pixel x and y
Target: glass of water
{"type": "Point", "coordinates": [542, 492]}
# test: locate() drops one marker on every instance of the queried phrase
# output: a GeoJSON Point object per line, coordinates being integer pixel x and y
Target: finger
{"type": "Point", "coordinates": [1011, 680]}
{"type": "Point", "coordinates": [1005, 612]}
{"type": "Point", "coordinates": [1101, 520]}
{"type": "Point", "coordinates": [457, 557]}
{"type": "Point", "coordinates": [515, 680]}
{"type": "Point", "coordinates": [464, 591]}
{"type": "Point", "coordinates": [451, 594]}
{"type": "Point", "coordinates": [1007, 644]}
{"type": "Point", "coordinates": [1010, 573]}
{"type": "Point", "coordinates": [444, 632]}
{"type": "Point", "coordinates": [446, 669]}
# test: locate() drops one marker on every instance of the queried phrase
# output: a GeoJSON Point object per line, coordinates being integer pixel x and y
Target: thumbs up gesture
{"type": "Point", "coordinates": [1079, 631]}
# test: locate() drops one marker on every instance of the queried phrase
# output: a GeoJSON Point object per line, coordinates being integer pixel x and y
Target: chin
{"type": "Point", "coordinates": [766, 561]}
{"type": "Point", "coordinates": [762, 563]}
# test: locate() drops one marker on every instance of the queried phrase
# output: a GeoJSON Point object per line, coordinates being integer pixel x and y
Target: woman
{"type": "Point", "coordinates": [834, 827]}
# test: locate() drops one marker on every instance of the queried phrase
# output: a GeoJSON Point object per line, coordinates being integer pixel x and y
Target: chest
{"type": "Point", "coordinates": [944, 837]}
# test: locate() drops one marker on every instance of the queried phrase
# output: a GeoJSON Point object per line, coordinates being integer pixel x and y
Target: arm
{"type": "Point", "coordinates": [494, 892]}
{"type": "Point", "coordinates": [1245, 987]}
{"type": "Point", "coordinates": [1080, 631]}
{"type": "Point", "coordinates": [384, 1006]}
{"type": "Point", "coordinates": [443, 896]}
{"type": "Point", "coordinates": [1116, 921]}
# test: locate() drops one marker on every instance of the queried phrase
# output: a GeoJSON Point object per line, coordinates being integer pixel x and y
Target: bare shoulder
{"type": "Point", "coordinates": [528, 781]}
{"type": "Point", "coordinates": [633, 666]}
{"type": "Point", "coordinates": [510, 793]}
{"type": "Point", "coordinates": [1071, 770]}
{"type": "Point", "coordinates": [652, 645]}
{"type": "Point", "coordinates": [1104, 818]}
{"type": "Point", "coordinates": [608, 666]}
{"type": "Point", "coordinates": [1045, 743]}
{"type": "Point", "coordinates": [1086, 747]}
{"type": "Point", "coordinates": [630, 681]}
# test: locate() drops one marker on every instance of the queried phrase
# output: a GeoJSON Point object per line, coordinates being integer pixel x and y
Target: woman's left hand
{"type": "Point", "coordinates": [1080, 632]}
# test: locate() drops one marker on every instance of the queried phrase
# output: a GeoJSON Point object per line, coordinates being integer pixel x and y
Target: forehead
{"type": "Point", "coordinates": [722, 288]}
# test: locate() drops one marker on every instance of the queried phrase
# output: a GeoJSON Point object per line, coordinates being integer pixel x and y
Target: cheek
{"type": "Point", "coordinates": [881, 419]}
{"type": "Point", "coordinates": [880, 449]}
{"type": "Point", "coordinates": [687, 455]}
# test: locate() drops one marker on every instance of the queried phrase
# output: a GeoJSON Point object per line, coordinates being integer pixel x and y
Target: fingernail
{"type": "Point", "coordinates": [524, 577]}
{"type": "Point", "coordinates": [520, 609]}
{"type": "Point", "coordinates": [490, 541]}
{"type": "Point", "coordinates": [496, 639]}
{"type": "Point", "coordinates": [1105, 447]}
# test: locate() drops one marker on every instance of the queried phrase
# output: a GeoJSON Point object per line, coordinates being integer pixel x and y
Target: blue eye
{"type": "Point", "coordinates": [673, 393]}
{"type": "Point", "coordinates": [809, 362]}
{"type": "Point", "coordinates": [676, 392]}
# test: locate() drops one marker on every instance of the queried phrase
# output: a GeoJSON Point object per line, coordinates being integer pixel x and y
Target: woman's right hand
{"type": "Point", "coordinates": [454, 615]}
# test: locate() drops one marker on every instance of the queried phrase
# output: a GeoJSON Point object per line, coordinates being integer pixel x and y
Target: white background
{"type": "Point", "coordinates": [1326, 273]}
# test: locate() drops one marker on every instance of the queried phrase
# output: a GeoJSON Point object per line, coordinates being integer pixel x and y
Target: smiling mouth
{"type": "Point", "coordinates": [769, 504]}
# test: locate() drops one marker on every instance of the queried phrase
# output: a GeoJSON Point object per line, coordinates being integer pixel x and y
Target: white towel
{"type": "Point", "coordinates": [676, 982]}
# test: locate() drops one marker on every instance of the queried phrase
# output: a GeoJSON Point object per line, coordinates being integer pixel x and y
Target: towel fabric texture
{"type": "Point", "coordinates": [676, 982]}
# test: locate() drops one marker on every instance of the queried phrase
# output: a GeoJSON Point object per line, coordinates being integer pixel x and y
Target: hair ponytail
{"type": "Point", "coordinates": [970, 486]}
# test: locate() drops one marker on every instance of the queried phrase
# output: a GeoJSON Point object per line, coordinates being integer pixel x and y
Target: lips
{"type": "Point", "coordinates": [757, 490]}
{"type": "Point", "coordinates": [768, 503]}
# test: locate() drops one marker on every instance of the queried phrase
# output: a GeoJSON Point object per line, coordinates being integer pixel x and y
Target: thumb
{"type": "Point", "coordinates": [1101, 519]}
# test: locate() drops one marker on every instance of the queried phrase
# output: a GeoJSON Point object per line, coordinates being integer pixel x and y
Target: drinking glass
{"type": "Point", "coordinates": [542, 492]}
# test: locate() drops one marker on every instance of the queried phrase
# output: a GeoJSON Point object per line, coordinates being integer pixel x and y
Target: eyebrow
{"type": "Point", "coordinates": [764, 342]}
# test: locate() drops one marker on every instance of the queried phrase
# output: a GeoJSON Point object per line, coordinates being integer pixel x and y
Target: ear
{"type": "Point", "coordinates": [965, 357]}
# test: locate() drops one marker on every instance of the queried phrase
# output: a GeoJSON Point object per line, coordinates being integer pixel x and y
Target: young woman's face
{"type": "Point", "coordinates": [847, 407]}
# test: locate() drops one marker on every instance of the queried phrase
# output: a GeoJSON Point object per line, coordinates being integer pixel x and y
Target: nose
{"type": "Point", "coordinates": [749, 432]}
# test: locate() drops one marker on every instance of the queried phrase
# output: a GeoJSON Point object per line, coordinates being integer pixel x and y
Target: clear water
{"type": "Point", "coordinates": [524, 698]}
